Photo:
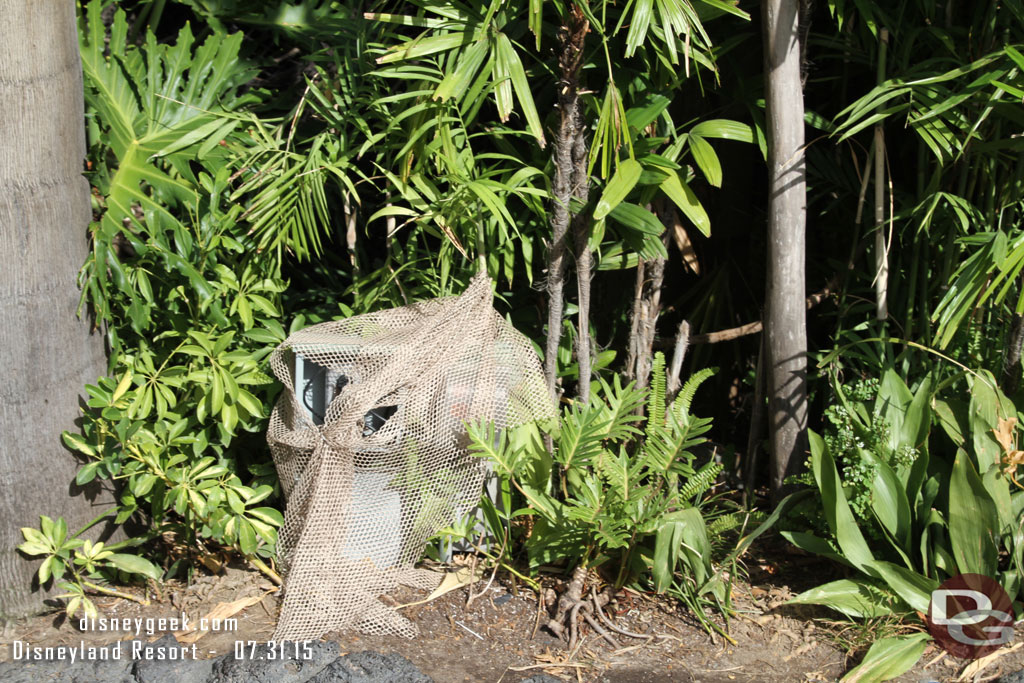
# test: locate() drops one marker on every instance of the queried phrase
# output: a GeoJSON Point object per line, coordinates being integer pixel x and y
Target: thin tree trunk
{"type": "Point", "coordinates": [646, 308]}
{"type": "Point", "coordinates": [786, 326]}
{"type": "Point", "coordinates": [633, 349]}
{"type": "Point", "coordinates": [350, 231]}
{"type": "Point", "coordinates": [47, 353]}
{"type": "Point", "coordinates": [571, 58]}
{"type": "Point", "coordinates": [647, 325]}
{"type": "Point", "coordinates": [581, 228]}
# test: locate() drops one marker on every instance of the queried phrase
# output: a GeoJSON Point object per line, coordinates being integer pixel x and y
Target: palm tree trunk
{"type": "Point", "coordinates": [786, 325]}
{"type": "Point", "coordinates": [47, 353]}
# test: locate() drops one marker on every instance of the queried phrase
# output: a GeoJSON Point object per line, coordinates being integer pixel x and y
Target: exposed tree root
{"type": "Point", "coordinates": [572, 606]}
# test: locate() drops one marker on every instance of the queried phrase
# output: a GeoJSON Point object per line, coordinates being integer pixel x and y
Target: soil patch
{"type": "Point", "coordinates": [493, 636]}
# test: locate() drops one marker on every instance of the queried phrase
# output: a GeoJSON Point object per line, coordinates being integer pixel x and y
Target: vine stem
{"type": "Point", "coordinates": [116, 593]}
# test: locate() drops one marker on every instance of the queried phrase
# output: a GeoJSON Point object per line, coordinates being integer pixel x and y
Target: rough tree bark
{"type": "Point", "coordinates": [570, 59]}
{"type": "Point", "coordinates": [46, 352]}
{"type": "Point", "coordinates": [650, 276]}
{"type": "Point", "coordinates": [786, 326]}
{"type": "Point", "coordinates": [581, 228]}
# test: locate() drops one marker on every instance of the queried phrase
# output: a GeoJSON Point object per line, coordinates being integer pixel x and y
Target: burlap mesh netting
{"type": "Point", "coordinates": [380, 463]}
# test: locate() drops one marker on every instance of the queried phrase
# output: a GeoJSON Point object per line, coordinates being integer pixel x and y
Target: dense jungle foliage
{"type": "Point", "coordinates": [261, 166]}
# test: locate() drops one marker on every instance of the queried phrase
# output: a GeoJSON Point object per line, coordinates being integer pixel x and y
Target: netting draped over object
{"type": "Point", "coordinates": [369, 441]}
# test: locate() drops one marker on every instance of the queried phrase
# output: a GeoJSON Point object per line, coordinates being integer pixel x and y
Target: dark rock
{"type": "Point", "coordinates": [54, 670]}
{"type": "Point", "coordinates": [541, 678]}
{"type": "Point", "coordinates": [371, 667]}
{"type": "Point", "coordinates": [287, 662]}
{"type": "Point", "coordinates": [502, 600]}
{"type": "Point", "coordinates": [164, 661]}
{"type": "Point", "coordinates": [1015, 677]}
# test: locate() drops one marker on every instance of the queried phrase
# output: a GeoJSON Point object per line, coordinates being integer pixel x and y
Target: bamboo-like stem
{"type": "Point", "coordinates": [881, 247]}
{"type": "Point", "coordinates": [634, 321]}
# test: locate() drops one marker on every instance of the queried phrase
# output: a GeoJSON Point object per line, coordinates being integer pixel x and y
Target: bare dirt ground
{"type": "Point", "coordinates": [494, 637]}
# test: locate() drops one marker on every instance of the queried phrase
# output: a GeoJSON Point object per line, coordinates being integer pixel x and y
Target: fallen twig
{"type": "Point", "coordinates": [567, 665]}
{"type": "Point", "coordinates": [468, 630]}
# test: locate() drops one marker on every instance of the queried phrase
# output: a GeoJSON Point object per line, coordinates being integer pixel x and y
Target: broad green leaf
{"type": "Point", "coordinates": [683, 197]}
{"type": "Point", "coordinates": [913, 588]}
{"type": "Point", "coordinates": [857, 598]}
{"type": "Point", "coordinates": [889, 499]}
{"type": "Point", "coordinates": [521, 86]}
{"type": "Point", "coordinates": [87, 473]}
{"type": "Point", "coordinates": [837, 511]}
{"type": "Point", "coordinates": [888, 658]}
{"type": "Point", "coordinates": [271, 516]}
{"type": "Point", "coordinates": [894, 399]}
{"type": "Point", "coordinates": [724, 129]}
{"type": "Point", "coordinates": [666, 546]}
{"type": "Point", "coordinates": [917, 420]}
{"type": "Point", "coordinates": [122, 386]}
{"type": "Point", "coordinates": [651, 106]}
{"type": "Point", "coordinates": [247, 540]}
{"type": "Point", "coordinates": [973, 520]}
{"type": "Point", "coordinates": [951, 416]}
{"type": "Point", "coordinates": [639, 22]}
{"type": "Point", "coordinates": [812, 544]}
{"type": "Point", "coordinates": [458, 80]}
{"type": "Point", "coordinates": [637, 218]}
{"type": "Point", "coordinates": [135, 565]}
{"type": "Point", "coordinates": [76, 442]}
{"type": "Point", "coordinates": [688, 542]}
{"type": "Point", "coordinates": [423, 46]}
{"type": "Point", "coordinates": [620, 185]}
{"type": "Point", "coordinates": [988, 404]}
{"type": "Point", "coordinates": [707, 160]}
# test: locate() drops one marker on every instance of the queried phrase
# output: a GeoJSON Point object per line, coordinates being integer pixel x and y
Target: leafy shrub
{"type": "Point", "coordinates": [619, 491]}
{"type": "Point", "coordinates": [189, 303]}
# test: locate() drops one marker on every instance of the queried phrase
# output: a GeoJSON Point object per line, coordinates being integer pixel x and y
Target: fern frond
{"type": "Point", "coordinates": [492, 444]}
{"type": "Point", "coordinates": [656, 399]}
{"type": "Point", "coordinates": [733, 521]}
{"type": "Point", "coordinates": [583, 429]}
{"type": "Point", "coordinates": [620, 404]}
{"type": "Point", "coordinates": [681, 404]}
{"type": "Point", "coordinates": [701, 481]}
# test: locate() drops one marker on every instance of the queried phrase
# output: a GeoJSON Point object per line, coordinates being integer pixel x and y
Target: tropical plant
{"type": "Point", "coordinates": [618, 493]}
{"type": "Point", "coordinates": [904, 525]}
{"type": "Point", "coordinates": [88, 566]}
{"type": "Point", "coordinates": [946, 225]}
{"type": "Point", "coordinates": [189, 302]}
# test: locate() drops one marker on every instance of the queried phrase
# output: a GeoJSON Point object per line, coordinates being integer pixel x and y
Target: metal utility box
{"type": "Point", "coordinates": [373, 501]}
